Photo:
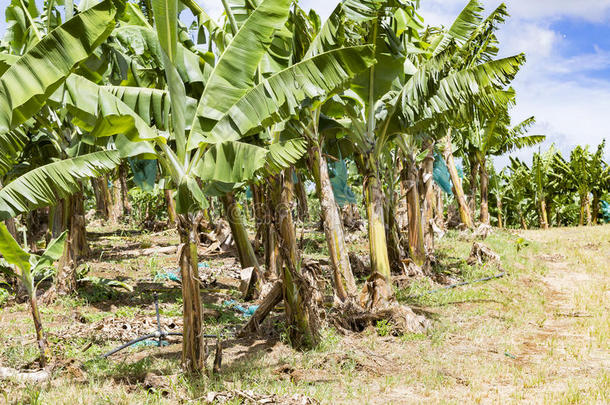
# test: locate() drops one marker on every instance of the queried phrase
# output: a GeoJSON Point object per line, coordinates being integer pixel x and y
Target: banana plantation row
{"type": "Point", "coordinates": [263, 100]}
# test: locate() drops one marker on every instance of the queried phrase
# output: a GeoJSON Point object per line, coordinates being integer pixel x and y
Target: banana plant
{"type": "Point", "coordinates": [601, 172]}
{"type": "Point", "coordinates": [542, 166]}
{"type": "Point", "coordinates": [577, 175]}
{"type": "Point", "coordinates": [25, 265]}
{"type": "Point", "coordinates": [490, 134]}
{"type": "Point", "coordinates": [401, 97]}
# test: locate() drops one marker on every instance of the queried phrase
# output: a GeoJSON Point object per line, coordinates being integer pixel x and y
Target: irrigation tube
{"type": "Point", "coordinates": [149, 336]}
{"type": "Point", "coordinates": [159, 334]}
{"type": "Point", "coordinates": [448, 287]}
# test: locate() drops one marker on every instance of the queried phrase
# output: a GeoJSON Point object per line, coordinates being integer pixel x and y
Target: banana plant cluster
{"type": "Point", "coordinates": [552, 191]}
{"type": "Point", "coordinates": [254, 100]}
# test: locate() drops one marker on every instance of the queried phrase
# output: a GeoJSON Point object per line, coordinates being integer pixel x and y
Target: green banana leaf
{"type": "Point", "coordinates": [26, 85]}
{"type": "Point", "coordinates": [234, 72]}
{"type": "Point", "coordinates": [44, 185]}
{"type": "Point", "coordinates": [279, 97]}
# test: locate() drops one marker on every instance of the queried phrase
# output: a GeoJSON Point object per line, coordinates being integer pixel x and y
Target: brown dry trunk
{"type": "Point", "coordinates": [474, 170]}
{"type": "Point", "coordinates": [75, 247]}
{"type": "Point", "coordinates": [523, 223]}
{"type": "Point", "coordinates": [117, 211]}
{"type": "Point", "coordinates": [102, 197]}
{"type": "Point", "coordinates": [440, 208]}
{"type": "Point", "coordinates": [427, 203]}
{"type": "Point", "coordinates": [417, 250]}
{"type": "Point", "coordinates": [273, 258]}
{"type": "Point", "coordinates": [499, 204]}
{"type": "Point", "coordinates": [301, 195]}
{"type": "Point", "coordinates": [484, 215]}
{"type": "Point", "coordinates": [402, 216]}
{"type": "Point", "coordinates": [245, 251]}
{"type": "Point", "coordinates": [171, 207]}
{"type": "Point", "coordinates": [544, 221]}
{"type": "Point", "coordinates": [258, 212]}
{"type": "Point", "coordinates": [124, 190]}
{"type": "Point", "coordinates": [465, 213]}
{"type": "Point", "coordinates": [344, 282]}
{"type": "Point", "coordinates": [12, 229]}
{"type": "Point", "coordinates": [193, 347]}
{"type": "Point", "coordinates": [300, 311]}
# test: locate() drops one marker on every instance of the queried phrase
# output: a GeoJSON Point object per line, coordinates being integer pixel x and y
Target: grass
{"type": "Point", "coordinates": [539, 334]}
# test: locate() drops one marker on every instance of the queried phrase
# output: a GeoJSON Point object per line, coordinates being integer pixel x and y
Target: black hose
{"type": "Point", "coordinates": [133, 342]}
{"type": "Point", "coordinates": [448, 287]}
{"type": "Point", "coordinates": [150, 335]}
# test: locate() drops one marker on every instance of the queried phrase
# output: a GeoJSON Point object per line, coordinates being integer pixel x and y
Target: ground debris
{"type": "Point", "coordinates": [483, 231]}
{"type": "Point", "coordinates": [32, 377]}
{"type": "Point", "coordinates": [308, 376]}
{"type": "Point", "coordinates": [119, 329]}
{"type": "Point", "coordinates": [480, 254]}
{"type": "Point", "coordinates": [250, 397]}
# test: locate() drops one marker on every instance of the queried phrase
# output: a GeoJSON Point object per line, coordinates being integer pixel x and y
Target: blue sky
{"type": "Point", "coordinates": [566, 81]}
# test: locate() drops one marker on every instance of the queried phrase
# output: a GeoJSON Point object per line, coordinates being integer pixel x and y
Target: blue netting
{"type": "Point", "coordinates": [337, 172]}
{"type": "Point", "coordinates": [605, 210]}
{"type": "Point", "coordinates": [441, 174]}
{"type": "Point", "coordinates": [144, 172]}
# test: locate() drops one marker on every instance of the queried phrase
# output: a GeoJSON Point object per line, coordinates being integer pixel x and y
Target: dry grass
{"type": "Point", "coordinates": [539, 335]}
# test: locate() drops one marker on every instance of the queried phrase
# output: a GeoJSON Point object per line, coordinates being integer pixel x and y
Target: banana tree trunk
{"type": "Point", "coordinates": [484, 177]}
{"type": "Point", "coordinates": [344, 282]}
{"type": "Point", "coordinates": [544, 221]}
{"type": "Point", "coordinates": [258, 211]}
{"type": "Point", "coordinates": [12, 228]}
{"type": "Point", "coordinates": [499, 204]}
{"type": "Point", "coordinates": [245, 251]}
{"type": "Point", "coordinates": [301, 195]}
{"type": "Point", "coordinates": [439, 217]}
{"type": "Point", "coordinates": [585, 210]}
{"type": "Point", "coordinates": [417, 250]}
{"type": "Point", "coordinates": [465, 213]}
{"type": "Point", "coordinates": [427, 202]}
{"type": "Point", "coordinates": [378, 248]}
{"type": "Point", "coordinates": [273, 258]}
{"type": "Point", "coordinates": [124, 190]}
{"type": "Point", "coordinates": [102, 197]}
{"type": "Point", "coordinates": [40, 336]}
{"type": "Point", "coordinates": [193, 353]}
{"type": "Point", "coordinates": [523, 223]}
{"type": "Point", "coordinates": [117, 210]}
{"type": "Point", "coordinates": [474, 171]}
{"type": "Point", "coordinates": [171, 207]}
{"type": "Point", "coordinates": [75, 247]}
{"type": "Point", "coordinates": [300, 314]}
{"type": "Point", "coordinates": [588, 209]}
{"type": "Point", "coordinates": [595, 211]}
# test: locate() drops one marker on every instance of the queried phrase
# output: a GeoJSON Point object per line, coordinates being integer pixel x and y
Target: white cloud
{"type": "Point", "coordinates": [444, 11]}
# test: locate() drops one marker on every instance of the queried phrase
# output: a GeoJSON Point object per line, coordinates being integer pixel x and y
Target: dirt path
{"type": "Point", "coordinates": [547, 342]}
{"type": "Point", "coordinates": [576, 331]}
